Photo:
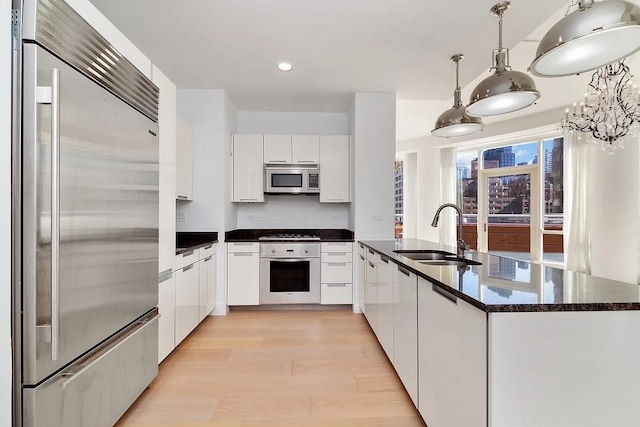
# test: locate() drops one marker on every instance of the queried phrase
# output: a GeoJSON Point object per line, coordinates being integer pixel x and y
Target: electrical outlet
{"type": "Point", "coordinates": [181, 217]}
{"type": "Point", "coordinates": [376, 217]}
{"type": "Point", "coordinates": [258, 217]}
{"type": "Point", "coordinates": [251, 217]}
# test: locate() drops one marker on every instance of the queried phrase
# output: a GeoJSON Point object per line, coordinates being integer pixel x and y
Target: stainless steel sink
{"type": "Point", "coordinates": [425, 255]}
{"type": "Point", "coordinates": [436, 258]}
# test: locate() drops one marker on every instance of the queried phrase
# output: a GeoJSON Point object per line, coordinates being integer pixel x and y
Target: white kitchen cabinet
{"type": "Point", "coordinates": [452, 351]}
{"type": "Point", "coordinates": [248, 169]}
{"type": "Point", "coordinates": [305, 149]}
{"type": "Point", "coordinates": [405, 329]}
{"type": "Point", "coordinates": [336, 273]}
{"type": "Point", "coordinates": [277, 149]}
{"type": "Point", "coordinates": [385, 306]}
{"type": "Point", "coordinates": [184, 160]}
{"type": "Point", "coordinates": [212, 282]}
{"type": "Point", "coordinates": [362, 269]}
{"type": "Point", "coordinates": [243, 277]}
{"type": "Point", "coordinates": [207, 288]}
{"type": "Point", "coordinates": [167, 175]}
{"type": "Point", "coordinates": [187, 294]}
{"type": "Point", "coordinates": [334, 169]}
{"type": "Point", "coordinates": [167, 309]}
{"type": "Point", "coordinates": [371, 295]}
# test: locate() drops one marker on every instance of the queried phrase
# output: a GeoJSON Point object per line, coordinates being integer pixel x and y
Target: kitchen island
{"type": "Point", "coordinates": [504, 342]}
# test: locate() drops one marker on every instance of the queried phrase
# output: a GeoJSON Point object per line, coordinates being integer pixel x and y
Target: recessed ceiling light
{"type": "Point", "coordinates": [285, 66]}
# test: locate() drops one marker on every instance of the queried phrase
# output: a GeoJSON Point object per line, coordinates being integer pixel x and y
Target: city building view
{"type": "Point", "coordinates": [399, 207]}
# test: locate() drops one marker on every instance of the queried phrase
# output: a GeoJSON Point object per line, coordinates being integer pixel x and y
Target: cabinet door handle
{"type": "Point", "coordinates": [404, 271]}
{"type": "Point", "coordinates": [188, 267]}
{"type": "Point", "coordinates": [361, 257]}
{"type": "Point", "coordinates": [442, 292]}
{"type": "Point", "coordinates": [208, 258]}
{"type": "Point", "coordinates": [372, 264]}
{"type": "Point", "coordinates": [248, 200]}
{"type": "Point", "coordinates": [186, 254]}
{"type": "Point", "coordinates": [305, 161]}
{"type": "Point", "coordinates": [371, 252]}
{"type": "Point", "coordinates": [335, 200]}
{"type": "Point", "coordinates": [336, 285]}
{"type": "Point", "coordinates": [243, 254]}
{"type": "Point", "coordinates": [165, 275]}
{"type": "Point", "coordinates": [242, 243]}
{"type": "Point", "coordinates": [337, 264]}
{"type": "Point", "coordinates": [182, 197]}
{"type": "Point", "coordinates": [276, 161]}
{"type": "Point", "coordinates": [336, 254]}
{"type": "Point", "coordinates": [384, 259]}
{"type": "Point", "coordinates": [208, 246]}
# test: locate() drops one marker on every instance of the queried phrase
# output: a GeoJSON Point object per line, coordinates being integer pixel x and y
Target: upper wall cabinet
{"type": "Point", "coordinates": [167, 197]}
{"type": "Point", "coordinates": [248, 168]}
{"type": "Point", "coordinates": [292, 149]}
{"type": "Point", "coordinates": [277, 149]}
{"type": "Point", "coordinates": [305, 149]}
{"type": "Point", "coordinates": [184, 161]}
{"type": "Point", "coordinates": [334, 169]}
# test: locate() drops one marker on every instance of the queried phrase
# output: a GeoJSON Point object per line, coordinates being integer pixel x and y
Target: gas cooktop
{"type": "Point", "coordinates": [292, 236]}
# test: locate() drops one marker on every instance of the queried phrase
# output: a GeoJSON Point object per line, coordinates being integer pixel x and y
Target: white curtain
{"type": "Point", "coordinates": [448, 220]}
{"type": "Point", "coordinates": [577, 238]}
{"type": "Point", "coordinates": [410, 200]}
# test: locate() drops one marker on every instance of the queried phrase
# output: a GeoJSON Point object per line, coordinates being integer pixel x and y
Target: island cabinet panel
{"type": "Point", "coordinates": [385, 305]}
{"type": "Point", "coordinates": [371, 295]}
{"type": "Point", "coordinates": [362, 269]}
{"type": "Point", "coordinates": [405, 329]}
{"type": "Point", "coordinates": [564, 369]}
{"type": "Point", "coordinates": [452, 351]}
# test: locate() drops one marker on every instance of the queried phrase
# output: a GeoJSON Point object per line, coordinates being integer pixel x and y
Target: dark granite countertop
{"type": "Point", "coordinates": [503, 284]}
{"type": "Point", "coordinates": [192, 240]}
{"type": "Point", "coordinates": [326, 234]}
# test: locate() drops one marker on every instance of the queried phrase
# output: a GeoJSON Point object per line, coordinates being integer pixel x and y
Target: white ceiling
{"type": "Point", "coordinates": [337, 47]}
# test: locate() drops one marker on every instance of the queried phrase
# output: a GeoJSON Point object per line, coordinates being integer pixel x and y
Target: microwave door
{"type": "Point", "coordinates": [286, 182]}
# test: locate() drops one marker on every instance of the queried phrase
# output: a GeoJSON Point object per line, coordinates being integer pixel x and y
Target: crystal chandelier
{"type": "Point", "coordinates": [610, 111]}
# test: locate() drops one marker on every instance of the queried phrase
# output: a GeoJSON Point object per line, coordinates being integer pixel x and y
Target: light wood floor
{"type": "Point", "coordinates": [276, 369]}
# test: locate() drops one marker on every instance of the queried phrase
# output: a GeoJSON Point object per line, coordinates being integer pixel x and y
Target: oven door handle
{"type": "Point", "coordinates": [291, 259]}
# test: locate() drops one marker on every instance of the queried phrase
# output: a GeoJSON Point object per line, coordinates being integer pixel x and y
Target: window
{"type": "Point", "coordinates": [399, 173]}
{"type": "Point", "coordinates": [508, 195]}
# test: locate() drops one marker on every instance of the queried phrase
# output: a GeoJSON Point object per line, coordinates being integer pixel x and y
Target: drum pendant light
{"type": "Point", "coordinates": [594, 35]}
{"type": "Point", "coordinates": [506, 90]}
{"type": "Point", "coordinates": [455, 121]}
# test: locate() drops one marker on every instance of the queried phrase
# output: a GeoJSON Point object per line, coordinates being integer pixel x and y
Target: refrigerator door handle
{"type": "Point", "coordinates": [55, 213]}
{"type": "Point", "coordinates": [73, 372]}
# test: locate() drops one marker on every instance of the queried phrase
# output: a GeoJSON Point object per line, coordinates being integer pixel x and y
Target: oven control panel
{"type": "Point", "coordinates": [290, 250]}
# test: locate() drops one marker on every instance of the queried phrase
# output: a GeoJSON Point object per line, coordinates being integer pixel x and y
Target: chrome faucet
{"type": "Point", "coordinates": [462, 246]}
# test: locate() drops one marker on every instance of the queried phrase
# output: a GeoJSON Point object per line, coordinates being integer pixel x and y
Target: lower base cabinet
{"type": "Point", "coordinates": [187, 297]}
{"type": "Point", "coordinates": [167, 309]}
{"type": "Point", "coordinates": [385, 306]}
{"type": "Point", "coordinates": [243, 277]}
{"type": "Point", "coordinates": [452, 349]}
{"type": "Point", "coordinates": [207, 286]}
{"type": "Point", "coordinates": [336, 293]}
{"type": "Point", "coordinates": [405, 329]}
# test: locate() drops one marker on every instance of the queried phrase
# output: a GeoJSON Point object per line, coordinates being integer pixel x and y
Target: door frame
{"type": "Point", "coordinates": [534, 206]}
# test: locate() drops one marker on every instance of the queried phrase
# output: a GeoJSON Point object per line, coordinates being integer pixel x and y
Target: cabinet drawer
{"type": "Point", "coordinates": [187, 258]}
{"type": "Point", "coordinates": [362, 250]}
{"type": "Point", "coordinates": [207, 251]}
{"type": "Point", "coordinates": [243, 247]}
{"type": "Point", "coordinates": [336, 257]}
{"type": "Point", "coordinates": [372, 256]}
{"type": "Point", "coordinates": [336, 272]}
{"type": "Point", "coordinates": [336, 247]}
{"type": "Point", "coordinates": [336, 293]}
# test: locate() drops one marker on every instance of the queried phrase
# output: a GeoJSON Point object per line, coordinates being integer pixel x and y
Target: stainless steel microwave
{"type": "Point", "coordinates": [291, 179]}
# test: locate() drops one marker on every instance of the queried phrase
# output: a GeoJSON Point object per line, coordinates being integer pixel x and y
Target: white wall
{"type": "Point", "coordinates": [374, 157]}
{"type": "Point", "coordinates": [5, 214]}
{"type": "Point", "coordinates": [428, 190]}
{"type": "Point", "coordinates": [292, 211]}
{"type": "Point", "coordinates": [292, 123]}
{"type": "Point", "coordinates": [212, 117]}
{"type": "Point", "coordinates": [289, 211]}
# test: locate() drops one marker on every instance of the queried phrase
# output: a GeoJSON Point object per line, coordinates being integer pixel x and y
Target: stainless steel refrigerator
{"type": "Point", "coordinates": [86, 236]}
